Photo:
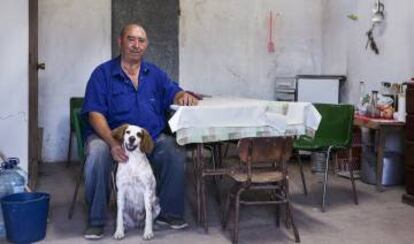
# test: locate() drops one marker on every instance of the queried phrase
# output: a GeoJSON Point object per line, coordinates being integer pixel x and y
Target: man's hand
{"type": "Point", "coordinates": [100, 125]}
{"type": "Point", "coordinates": [183, 98]}
{"type": "Point", "coordinates": [118, 153]}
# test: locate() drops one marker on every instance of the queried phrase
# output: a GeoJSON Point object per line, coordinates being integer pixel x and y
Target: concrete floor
{"type": "Point", "coordinates": [379, 217]}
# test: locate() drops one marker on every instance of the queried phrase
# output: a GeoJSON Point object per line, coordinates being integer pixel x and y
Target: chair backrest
{"type": "Point", "coordinates": [336, 124]}
{"type": "Point", "coordinates": [79, 126]}
{"type": "Point", "coordinates": [74, 102]}
{"type": "Point", "coordinates": [265, 149]}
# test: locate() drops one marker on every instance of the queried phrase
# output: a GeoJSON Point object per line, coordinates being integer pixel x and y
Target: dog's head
{"type": "Point", "coordinates": [132, 137]}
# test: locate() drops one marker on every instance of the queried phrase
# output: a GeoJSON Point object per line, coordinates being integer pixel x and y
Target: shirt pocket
{"type": "Point", "coordinates": [122, 100]}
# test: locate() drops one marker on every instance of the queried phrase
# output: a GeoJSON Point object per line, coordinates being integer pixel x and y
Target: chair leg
{"type": "Point", "coordinates": [217, 163]}
{"type": "Point", "coordinates": [277, 215]}
{"type": "Point", "coordinates": [204, 203]}
{"type": "Point", "coordinates": [198, 184]}
{"type": "Point", "coordinates": [194, 168]}
{"type": "Point", "coordinates": [226, 212]}
{"type": "Point", "coordinates": [302, 175]}
{"type": "Point", "coordinates": [75, 194]}
{"type": "Point", "coordinates": [277, 207]}
{"type": "Point", "coordinates": [236, 216]}
{"type": "Point", "coordinates": [226, 150]}
{"type": "Point", "coordinates": [351, 171]}
{"type": "Point", "coordinates": [294, 228]}
{"type": "Point", "coordinates": [69, 149]}
{"type": "Point", "coordinates": [325, 181]}
{"type": "Point", "coordinates": [285, 190]}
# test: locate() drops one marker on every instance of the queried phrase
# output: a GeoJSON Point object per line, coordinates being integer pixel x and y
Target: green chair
{"type": "Point", "coordinates": [78, 127]}
{"type": "Point", "coordinates": [334, 133]}
{"type": "Point", "coordinates": [74, 103]}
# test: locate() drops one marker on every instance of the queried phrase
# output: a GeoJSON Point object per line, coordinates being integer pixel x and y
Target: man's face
{"type": "Point", "coordinates": [133, 43]}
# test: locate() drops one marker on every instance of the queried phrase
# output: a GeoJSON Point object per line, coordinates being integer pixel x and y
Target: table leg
{"type": "Point", "coordinates": [380, 157]}
{"type": "Point", "coordinates": [198, 182]}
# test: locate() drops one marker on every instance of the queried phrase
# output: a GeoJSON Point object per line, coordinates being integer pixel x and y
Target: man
{"type": "Point", "coordinates": [129, 90]}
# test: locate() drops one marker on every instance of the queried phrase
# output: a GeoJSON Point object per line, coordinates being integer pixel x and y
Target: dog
{"type": "Point", "coordinates": [135, 182]}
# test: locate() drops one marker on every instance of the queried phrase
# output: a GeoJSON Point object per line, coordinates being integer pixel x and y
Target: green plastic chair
{"type": "Point", "coordinates": [78, 127]}
{"type": "Point", "coordinates": [334, 133]}
{"type": "Point", "coordinates": [74, 103]}
{"type": "Point", "coordinates": [79, 124]}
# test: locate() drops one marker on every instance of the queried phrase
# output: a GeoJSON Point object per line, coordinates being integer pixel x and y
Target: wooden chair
{"type": "Point", "coordinates": [263, 168]}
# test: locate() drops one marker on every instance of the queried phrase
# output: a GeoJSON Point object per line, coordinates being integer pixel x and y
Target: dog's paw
{"type": "Point", "coordinates": [148, 235]}
{"type": "Point", "coordinates": [118, 235]}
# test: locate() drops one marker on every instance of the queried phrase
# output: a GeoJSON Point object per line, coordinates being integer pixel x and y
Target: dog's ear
{"type": "Point", "coordinates": [118, 133]}
{"type": "Point", "coordinates": [146, 142]}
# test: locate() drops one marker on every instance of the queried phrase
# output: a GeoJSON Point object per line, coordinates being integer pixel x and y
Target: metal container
{"type": "Point", "coordinates": [318, 161]}
{"type": "Point", "coordinates": [392, 172]}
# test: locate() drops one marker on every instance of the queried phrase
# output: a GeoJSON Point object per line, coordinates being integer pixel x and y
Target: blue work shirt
{"type": "Point", "coordinates": [110, 92]}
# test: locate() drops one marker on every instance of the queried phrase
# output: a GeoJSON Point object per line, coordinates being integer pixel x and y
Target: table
{"type": "Point", "coordinates": [220, 119]}
{"type": "Point", "coordinates": [228, 118]}
{"type": "Point", "coordinates": [380, 126]}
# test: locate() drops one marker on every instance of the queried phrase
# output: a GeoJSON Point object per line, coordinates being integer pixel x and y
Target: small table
{"type": "Point", "coordinates": [219, 119]}
{"type": "Point", "coordinates": [380, 126]}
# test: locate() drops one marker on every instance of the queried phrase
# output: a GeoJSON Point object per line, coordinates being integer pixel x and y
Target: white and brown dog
{"type": "Point", "coordinates": [135, 182]}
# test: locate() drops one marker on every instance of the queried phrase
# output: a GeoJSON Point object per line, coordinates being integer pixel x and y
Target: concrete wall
{"type": "Point", "coordinates": [394, 38]}
{"type": "Point", "coordinates": [222, 51]}
{"type": "Point", "coordinates": [74, 37]}
{"type": "Point", "coordinates": [223, 44]}
{"type": "Point", "coordinates": [162, 32]}
{"type": "Point", "coordinates": [14, 110]}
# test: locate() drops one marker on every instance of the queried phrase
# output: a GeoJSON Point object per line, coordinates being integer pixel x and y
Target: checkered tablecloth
{"type": "Point", "coordinates": [228, 118]}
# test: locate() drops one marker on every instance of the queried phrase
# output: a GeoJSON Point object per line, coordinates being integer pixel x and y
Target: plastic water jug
{"type": "Point", "coordinates": [12, 180]}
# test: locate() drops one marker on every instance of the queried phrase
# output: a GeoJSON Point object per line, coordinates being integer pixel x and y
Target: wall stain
{"type": "Point", "coordinates": [236, 74]}
{"type": "Point", "coordinates": [22, 115]}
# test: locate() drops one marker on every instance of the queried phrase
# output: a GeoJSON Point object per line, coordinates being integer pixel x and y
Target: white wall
{"type": "Point", "coordinates": [74, 37]}
{"type": "Point", "coordinates": [395, 63]}
{"type": "Point", "coordinates": [223, 51]}
{"type": "Point", "coordinates": [14, 110]}
{"type": "Point", "coordinates": [223, 44]}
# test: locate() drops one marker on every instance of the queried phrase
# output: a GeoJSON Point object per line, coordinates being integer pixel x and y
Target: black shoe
{"type": "Point", "coordinates": [172, 222]}
{"type": "Point", "coordinates": [94, 232]}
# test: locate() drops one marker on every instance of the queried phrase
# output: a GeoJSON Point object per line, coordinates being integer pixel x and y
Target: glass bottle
{"type": "Point", "coordinates": [361, 108]}
{"type": "Point", "coordinates": [372, 106]}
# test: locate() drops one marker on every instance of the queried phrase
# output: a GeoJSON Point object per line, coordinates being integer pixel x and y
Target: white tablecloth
{"type": "Point", "coordinates": [227, 118]}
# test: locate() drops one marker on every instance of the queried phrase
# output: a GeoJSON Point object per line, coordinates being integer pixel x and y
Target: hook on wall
{"type": "Point", "coordinates": [378, 11]}
{"type": "Point", "coordinates": [377, 18]}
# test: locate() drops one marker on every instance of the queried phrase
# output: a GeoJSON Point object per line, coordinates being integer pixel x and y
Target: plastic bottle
{"type": "Point", "coordinates": [401, 104]}
{"type": "Point", "coordinates": [11, 181]}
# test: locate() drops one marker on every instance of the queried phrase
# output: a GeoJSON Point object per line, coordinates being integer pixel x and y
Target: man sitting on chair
{"type": "Point", "coordinates": [127, 89]}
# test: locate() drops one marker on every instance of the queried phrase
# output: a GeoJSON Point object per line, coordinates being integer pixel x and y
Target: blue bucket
{"type": "Point", "coordinates": [25, 216]}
